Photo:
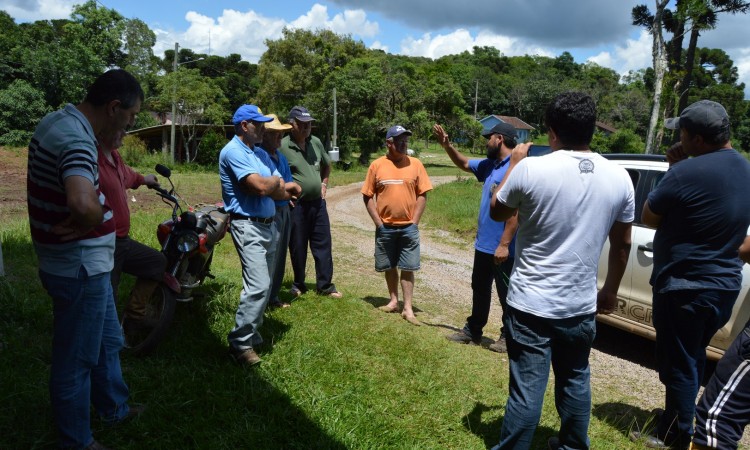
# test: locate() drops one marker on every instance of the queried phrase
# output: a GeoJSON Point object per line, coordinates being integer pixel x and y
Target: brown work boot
{"type": "Point", "coordinates": [139, 296]}
{"type": "Point", "coordinates": [246, 357]}
{"type": "Point", "coordinates": [499, 346]}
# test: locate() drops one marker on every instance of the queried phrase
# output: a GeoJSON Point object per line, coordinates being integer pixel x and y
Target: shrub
{"type": "Point", "coordinates": [133, 150]}
{"type": "Point", "coordinates": [209, 148]}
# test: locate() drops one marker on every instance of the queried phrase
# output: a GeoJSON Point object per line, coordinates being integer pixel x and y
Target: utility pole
{"type": "Point", "coordinates": [335, 135]}
{"type": "Point", "coordinates": [476, 98]}
{"type": "Point", "coordinates": [174, 103]}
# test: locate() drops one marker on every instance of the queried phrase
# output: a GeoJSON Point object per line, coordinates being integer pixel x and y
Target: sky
{"type": "Point", "coordinates": [591, 30]}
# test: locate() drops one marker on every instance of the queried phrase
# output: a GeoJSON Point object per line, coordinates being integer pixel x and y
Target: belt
{"type": "Point", "coordinates": [263, 220]}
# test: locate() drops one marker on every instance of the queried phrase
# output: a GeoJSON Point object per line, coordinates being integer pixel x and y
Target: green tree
{"type": "Point", "coordinates": [199, 100]}
{"type": "Point", "coordinates": [21, 108]}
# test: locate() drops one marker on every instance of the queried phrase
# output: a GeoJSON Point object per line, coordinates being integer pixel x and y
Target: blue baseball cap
{"type": "Point", "coordinates": [249, 112]}
{"type": "Point", "coordinates": [395, 131]}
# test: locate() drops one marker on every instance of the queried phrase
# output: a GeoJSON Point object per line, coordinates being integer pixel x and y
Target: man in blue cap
{"type": "Point", "coordinates": [248, 188]}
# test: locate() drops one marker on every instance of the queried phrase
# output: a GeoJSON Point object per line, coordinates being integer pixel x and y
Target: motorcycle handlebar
{"type": "Point", "coordinates": [163, 193]}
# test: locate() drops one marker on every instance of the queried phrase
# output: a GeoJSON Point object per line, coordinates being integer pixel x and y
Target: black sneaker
{"type": "Point", "coordinates": [463, 338]}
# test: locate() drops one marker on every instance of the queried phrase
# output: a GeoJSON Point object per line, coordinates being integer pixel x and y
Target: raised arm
{"type": "Point", "coordinates": [458, 159]}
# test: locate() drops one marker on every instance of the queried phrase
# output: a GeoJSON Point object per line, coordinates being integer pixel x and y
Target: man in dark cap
{"type": "Point", "coordinates": [311, 167]}
{"type": "Point", "coordinates": [701, 212]}
{"type": "Point", "coordinates": [395, 195]}
{"type": "Point", "coordinates": [494, 245]}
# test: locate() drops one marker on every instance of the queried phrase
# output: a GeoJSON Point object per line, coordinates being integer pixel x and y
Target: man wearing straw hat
{"type": "Point", "coordinates": [282, 226]}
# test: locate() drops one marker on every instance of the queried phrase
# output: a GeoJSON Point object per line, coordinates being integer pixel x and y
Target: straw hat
{"type": "Point", "coordinates": [276, 125]}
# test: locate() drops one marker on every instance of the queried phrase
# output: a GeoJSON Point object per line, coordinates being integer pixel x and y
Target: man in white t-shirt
{"type": "Point", "coordinates": [568, 203]}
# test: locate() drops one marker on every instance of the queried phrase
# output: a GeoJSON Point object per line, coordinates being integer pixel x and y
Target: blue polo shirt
{"type": "Point", "coordinates": [236, 162]}
{"type": "Point", "coordinates": [489, 232]}
{"type": "Point", "coordinates": [280, 164]}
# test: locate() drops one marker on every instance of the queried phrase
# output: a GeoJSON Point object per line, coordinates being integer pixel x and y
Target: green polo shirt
{"type": "Point", "coordinates": [305, 165]}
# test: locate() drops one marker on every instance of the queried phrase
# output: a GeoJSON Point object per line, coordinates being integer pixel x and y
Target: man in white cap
{"type": "Point", "coordinates": [701, 212]}
{"type": "Point", "coordinates": [248, 188]}
{"type": "Point", "coordinates": [395, 195]}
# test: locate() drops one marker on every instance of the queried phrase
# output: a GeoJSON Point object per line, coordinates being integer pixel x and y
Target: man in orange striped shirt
{"type": "Point", "coordinates": [395, 195]}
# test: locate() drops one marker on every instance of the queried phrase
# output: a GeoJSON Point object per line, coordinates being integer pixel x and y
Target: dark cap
{"type": "Point", "coordinates": [503, 128]}
{"type": "Point", "coordinates": [395, 131]}
{"type": "Point", "coordinates": [249, 112]}
{"type": "Point", "coordinates": [704, 117]}
{"type": "Point", "coordinates": [301, 114]}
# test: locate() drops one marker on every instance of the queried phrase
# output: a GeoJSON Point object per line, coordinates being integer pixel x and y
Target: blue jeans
{"type": "Point", "coordinates": [282, 227]}
{"type": "Point", "coordinates": [533, 342]}
{"type": "Point", "coordinates": [685, 321]}
{"type": "Point", "coordinates": [86, 346]}
{"type": "Point", "coordinates": [484, 272]}
{"type": "Point", "coordinates": [253, 243]}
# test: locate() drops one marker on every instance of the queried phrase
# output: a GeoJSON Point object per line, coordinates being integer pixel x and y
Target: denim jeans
{"type": "Point", "coordinates": [397, 247]}
{"type": "Point", "coordinates": [253, 243]}
{"type": "Point", "coordinates": [685, 321]}
{"type": "Point", "coordinates": [282, 227]}
{"type": "Point", "coordinates": [86, 346]}
{"type": "Point", "coordinates": [533, 343]}
{"type": "Point", "coordinates": [484, 272]}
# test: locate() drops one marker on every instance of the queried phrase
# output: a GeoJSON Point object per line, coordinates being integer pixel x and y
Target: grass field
{"type": "Point", "coordinates": [336, 373]}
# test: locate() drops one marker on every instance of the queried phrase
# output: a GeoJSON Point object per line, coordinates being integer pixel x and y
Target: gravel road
{"type": "Point", "coordinates": [622, 366]}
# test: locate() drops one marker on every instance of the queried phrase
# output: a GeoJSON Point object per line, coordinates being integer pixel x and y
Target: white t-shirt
{"type": "Point", "coordinates": [567, 202]}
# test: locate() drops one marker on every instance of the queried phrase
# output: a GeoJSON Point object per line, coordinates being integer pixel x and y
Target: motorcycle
{"type": "Point", "coordinates": [187, 240]}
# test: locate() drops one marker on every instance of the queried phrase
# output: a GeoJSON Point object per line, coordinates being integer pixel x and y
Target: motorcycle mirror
{"type": "Point", "coordinates": [163, 170]}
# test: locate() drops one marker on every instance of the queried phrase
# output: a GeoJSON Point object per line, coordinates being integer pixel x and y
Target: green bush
{"type": "Point", "coordinates": [209, 148]}
{"type": "Point", "coordinates": [133, 150]}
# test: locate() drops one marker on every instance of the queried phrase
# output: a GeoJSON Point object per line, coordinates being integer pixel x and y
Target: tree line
{"type": "Point", "coordinates": [45, 64]}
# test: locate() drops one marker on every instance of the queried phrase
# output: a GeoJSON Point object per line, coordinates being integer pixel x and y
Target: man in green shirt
{"type": "Point", "coordinates": [310, 166]}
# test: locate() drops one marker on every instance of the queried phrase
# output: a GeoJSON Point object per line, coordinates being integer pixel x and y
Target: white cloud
{"type": "Point", "coordinates": [246, 32]}
{"type": "Point", "coordinates": [462, 40]}
{"type": "Point", "coordinates": [32, 10]}
{"type": "Point", "coordinates": [634, 55]}
{"type": "Point", "coordinates": [352, 22]}
{"type": "Point", "coordinates": [377, 45]}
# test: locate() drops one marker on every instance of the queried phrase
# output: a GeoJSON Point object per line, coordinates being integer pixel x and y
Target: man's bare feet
{"type": "Point", "coordinates": [389, 308]}
{"type": "Point", "coordinates": [411, 318]}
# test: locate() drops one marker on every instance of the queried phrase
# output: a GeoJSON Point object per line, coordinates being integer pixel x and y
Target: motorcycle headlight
{"type": "Point", "coordinates": [187, 242]}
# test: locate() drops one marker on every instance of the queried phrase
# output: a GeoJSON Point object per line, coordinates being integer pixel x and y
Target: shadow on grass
{"type": "Point", "coordinates": [489, 431]}
{"type": "Point", "coordinates": [625, 418]}
{"type": "Point", "coordinates": [196, 397]}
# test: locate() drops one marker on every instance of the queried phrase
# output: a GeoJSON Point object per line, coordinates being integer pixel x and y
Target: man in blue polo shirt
{"type": "Point", "coordinates": [248, 188]}
{"type": "Point", "coordinates": [494, 246]}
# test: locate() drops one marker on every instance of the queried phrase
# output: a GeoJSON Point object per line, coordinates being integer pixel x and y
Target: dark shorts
{"type": "Point", "coordinates": [397, 247]}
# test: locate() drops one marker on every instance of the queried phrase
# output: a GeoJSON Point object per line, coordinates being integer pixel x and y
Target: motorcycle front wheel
{"type": "Point", "coordinates": [142, 337]}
